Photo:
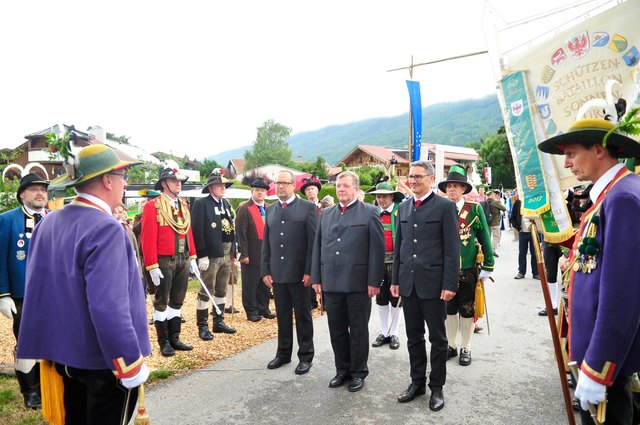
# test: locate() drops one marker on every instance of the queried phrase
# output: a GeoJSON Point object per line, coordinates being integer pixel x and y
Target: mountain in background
{"type": "Point", "coordinates": [451, 123]}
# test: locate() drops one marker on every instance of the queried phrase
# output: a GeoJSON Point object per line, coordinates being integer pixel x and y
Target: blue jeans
{"type": "Point", "coordinates": [525, 242]}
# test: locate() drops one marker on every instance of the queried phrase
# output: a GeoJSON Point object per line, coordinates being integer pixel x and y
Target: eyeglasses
{"type": "Point", "coordinates": [418, 177]}
{"type": "Point", "coordinates": [283, 183]}
{"type": "Point", "coordinates": [124, 176]}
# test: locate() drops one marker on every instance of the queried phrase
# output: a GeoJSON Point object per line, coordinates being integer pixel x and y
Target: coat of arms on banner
{"type": "Point", "coordinates": [544, 111]}
{"type": "Point", "coordinates": [517, 108]}
{"type": "Point", "coordinates": [578, 45]}
{"type": "Point", "coordinates": [600, 39]}
{"type": "Point", "coordinates": [558, 57]}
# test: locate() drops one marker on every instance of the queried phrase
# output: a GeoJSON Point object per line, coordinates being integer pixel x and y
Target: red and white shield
{"type": "Point", "coordinates": [578, 45]}
{"type": "Point", "coordinates": [517, 108]}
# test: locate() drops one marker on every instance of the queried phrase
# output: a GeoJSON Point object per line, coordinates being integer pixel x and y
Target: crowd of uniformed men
{"type": "Point", "coordinates": [71, 280]}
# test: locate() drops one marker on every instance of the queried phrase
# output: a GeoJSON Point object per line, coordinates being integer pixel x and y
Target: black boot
{"type": "Point", "coordinates": [163, 338]}
{"type": "Point", "coordinates": [30, 388]}
{"type": "Point", "coordinates": [174, 335]}
{"type": "Point", "coordinates": [218, 322]}
{"type": "Point", "coordinates": [203, 327]}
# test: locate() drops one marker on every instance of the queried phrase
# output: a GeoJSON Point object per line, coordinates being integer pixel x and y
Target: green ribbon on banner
{"type": "Point", "coordinates": [534, 194]}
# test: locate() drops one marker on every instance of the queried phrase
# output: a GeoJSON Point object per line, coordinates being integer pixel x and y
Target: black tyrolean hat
{"type": "Point", "coordinates": [216, 177]}
{"type": "Point", "coordinates": [456, 175]}
{"type": "Point", "coordinates": [259, 183]}
{"type": "Point", "coordinates": [169, 173]}
{"type": "Point", "coordinates": [310, 181]}
{"type": "Point", "coordinates": [29, 180]}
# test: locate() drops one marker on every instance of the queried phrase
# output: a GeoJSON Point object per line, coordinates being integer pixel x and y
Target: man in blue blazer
{"type": "Point", "coordinates": [16, 227]}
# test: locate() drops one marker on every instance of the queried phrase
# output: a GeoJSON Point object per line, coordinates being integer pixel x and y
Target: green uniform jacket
{"type": "Point", "coordinates": [472, 227]}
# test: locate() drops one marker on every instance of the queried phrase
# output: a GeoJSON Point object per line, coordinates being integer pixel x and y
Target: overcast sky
{"type": "Point", "coordinates": [199, 77]}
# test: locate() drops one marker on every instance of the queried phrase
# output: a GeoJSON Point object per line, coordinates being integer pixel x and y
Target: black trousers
{"type": "Point", "coordinates": [95, 397]}
{"type": "Point", "coordinates": [384, 297]}
{"type": "Point", "coordinates": [255, 294]}
{"type": "Point", "coordinates": [551, 254]}
{"type": "Point", "coordinates": [293, 298]}
{"type": "Point", "coordinates": [348, 317]}
{"type": "Point", "coordinates": [173, 286]}
{"type": "Point", "coordinates": [619, 404]}
{"type": "Point", "coordinates": [417, 311]}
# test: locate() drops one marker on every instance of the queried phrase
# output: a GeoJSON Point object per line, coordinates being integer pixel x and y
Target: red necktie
{"type": "Point", "coordinates": [344, 209]}
{"type": "Point", "coordinates": [284, 205]}
{"type": "Point", "coordinates": [418, 203]}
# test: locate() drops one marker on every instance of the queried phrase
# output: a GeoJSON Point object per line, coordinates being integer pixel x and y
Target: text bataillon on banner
{"type": "Point", "coordinates": [564, 73]}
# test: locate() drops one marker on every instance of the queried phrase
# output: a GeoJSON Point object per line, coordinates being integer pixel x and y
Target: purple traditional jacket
{"type": "Point", "coordinates": [604, 305]}
{"type": "Point", "coordinates": [84, 303]}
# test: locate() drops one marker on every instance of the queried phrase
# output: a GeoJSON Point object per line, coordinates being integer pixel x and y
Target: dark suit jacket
{"type": "Point", "coordinates": [288, 241]}
{"type": "Point", "coordinates": [348, 253]}
{"type": "Point", "coordinates": [207, 228]}
{"type": "Point", "coordinates": [427, 250]}
{"type": "Point", "coordinates": [249, 242]}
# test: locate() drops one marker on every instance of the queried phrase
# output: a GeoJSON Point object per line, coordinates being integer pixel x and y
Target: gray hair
{"type": "Point", "coordinates": [354, 177]}
{"type": "Point", "coordinates": [293, 177]}
{"type": "Point", "coordinates": [424, 164]}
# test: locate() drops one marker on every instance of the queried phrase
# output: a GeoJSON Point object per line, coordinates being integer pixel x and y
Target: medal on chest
{"type": "Point", "coordinates": [588, 248]}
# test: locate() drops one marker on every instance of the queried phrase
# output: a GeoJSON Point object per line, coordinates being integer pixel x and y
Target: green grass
{"type": "Point", "coordinates": [12, 410]}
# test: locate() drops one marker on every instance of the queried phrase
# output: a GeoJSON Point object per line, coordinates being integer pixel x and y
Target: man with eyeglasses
{"type": "Point", "coordinates": [84, 313]}
{"type": "Point", "coordinates": [348, 266]}
{"type": "Point", "coordinates": [425, 273]}
{"type": "Point", "coordinates": [286, 268]}
{"type": "Point", "coordinates": [169, 255]}
{"type": "Point", "coordinates": [16, 229]}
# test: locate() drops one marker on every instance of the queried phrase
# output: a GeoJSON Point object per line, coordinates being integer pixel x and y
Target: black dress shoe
{"type": "Point", "coordinates": [338, 380]}
{"type": "Point", "coordinates": [436, 402]}
{"type": "Point", "coordinates": [543, 312]}
{"type": "Point", "coordinates": [465, 357]}
{"type": "Point", "coordinates": [302, 368]}
{"type": "Point", "coordinates": [394, 342]}
{"type": "Point", "coordinates": [452, 352]}
{"type": "Point", "coordinates": [277, 362]}
{"type": "Point", "coordinates": [231, 310]}
{"type": "Point", "coordinates": [255, 318]}
{"type": "Point", "coordinates": [380, 341]}
{"type": "Point", "coordinates": [411, 393]}
{"type": "Point", "coordinates": [268, 315]}
{"type": "Point", "coordinates": [356, 384]}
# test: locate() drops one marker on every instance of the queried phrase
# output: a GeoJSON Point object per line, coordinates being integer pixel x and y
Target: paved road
{"type": "Point", "coordinates": [512, 380]}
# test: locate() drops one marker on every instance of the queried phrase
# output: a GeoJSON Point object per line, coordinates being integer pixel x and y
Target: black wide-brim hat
{"type": "Point", "coordinates": [310, 182]}
{"type": "Point", "coordinates": [590, 132]}
{"type": "Point", "coordinates": [169, 173]}
{"type": "Point", "coordinates": [259, 183]}
{"type": "Point", "coordinates": [216, 179]}
{"type": "Point", "coordinates": [29, 180]}
{"type": "Point", "coordinates": [455, 176]}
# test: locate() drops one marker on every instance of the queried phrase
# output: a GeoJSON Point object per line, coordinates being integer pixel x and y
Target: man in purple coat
{"type": "Point", "coordinates": [604, 286]}
{"type": "Point", "coordinates": [84, 307]}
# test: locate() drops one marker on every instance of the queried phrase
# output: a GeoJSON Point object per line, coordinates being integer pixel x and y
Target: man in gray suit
{"type": "Point", "coordinates": [425, 272]}
{"type": "Point", "coordinates": [286, 267]}
{"type": "Point", "coordinates": [348, 263]}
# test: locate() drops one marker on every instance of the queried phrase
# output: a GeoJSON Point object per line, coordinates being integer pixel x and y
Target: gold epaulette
{"type": "Point", "coordinates": [166, 216]}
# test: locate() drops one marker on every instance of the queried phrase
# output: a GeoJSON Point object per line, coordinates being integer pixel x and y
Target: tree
{"type": "Point", "coordinates": [144, 173]}
{"type": "Point", "coordinates": [270, 146]}
{"type": "Point", "coordinates": [494, 152]}
{"type": "Point", "coordinates": [206, 167]}
{"type": "Point", "coordinates": [317, 167]}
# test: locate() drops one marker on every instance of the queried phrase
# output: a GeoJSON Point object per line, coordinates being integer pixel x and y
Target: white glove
{"type": "Point", "coordinates": [7, 306]}
{"type": "Point", "coordinates": [138, 379]}
{"type": "Point", "coordinates": [193, 267]}
{"type": "Point", "coordinates": [156, 275]}
{"type": "Point", "coordinates": [484, 275]}
{"type": "Point", "coordinates": [589, 391]}
{"type": "Point", "coordinates": [203, 263]}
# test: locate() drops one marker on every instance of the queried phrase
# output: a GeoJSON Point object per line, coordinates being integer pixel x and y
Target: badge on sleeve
{"type": "Point", "coordinates": [21, 255]}
{"type": "Point", "coordinates": [20, 243]}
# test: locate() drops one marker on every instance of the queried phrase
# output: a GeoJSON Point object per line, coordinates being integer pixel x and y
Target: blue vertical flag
{"type": "Point", "coordinates": [416, 115]}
